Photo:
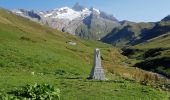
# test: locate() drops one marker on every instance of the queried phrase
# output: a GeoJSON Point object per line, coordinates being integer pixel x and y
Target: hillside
{"type": "Point", "coordinates": [31, 53]}
{"type": "Point", "coordinates": [153, 55]}
{"type": "Point", "coordinates": [128, 34]}
{"type": "Point", "coordinates": [152, 50]}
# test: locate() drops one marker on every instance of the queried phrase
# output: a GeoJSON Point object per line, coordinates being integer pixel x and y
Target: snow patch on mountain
{"type": "Point", "coordinates": [48, 15]}
{"type": "Point", "coordinates": [17, 11]}
{"type": "Point", "coordinates": [96, 10]}
{"type": "Point", "coordinates": [66, 13]}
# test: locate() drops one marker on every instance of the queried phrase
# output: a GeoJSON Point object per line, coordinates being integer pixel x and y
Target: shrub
{"type": "Point", "coordinates": [25, 38]}
{"type": "Point", "coordinates": [5, 96]}
{"type": "Point", "coordinates": [156, 64]}
{"type": "Point", "coordinates": [129, 52]}
{"type": "Point", "coordinates": [153, 52]}
{"type": "Point", "coordinates": [33, 92]}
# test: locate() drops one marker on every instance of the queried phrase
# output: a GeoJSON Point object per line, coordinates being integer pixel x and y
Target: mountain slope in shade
{"type": "Point", "coordinates": [128, 34]}
{"type": "Point", "coordinates": [72, 19]}
{"type": "Point", "coordinates": [161, 28]}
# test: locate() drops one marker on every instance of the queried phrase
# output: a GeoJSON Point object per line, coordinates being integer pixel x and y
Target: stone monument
{"type": "Point", "coordinates": [97, 72]}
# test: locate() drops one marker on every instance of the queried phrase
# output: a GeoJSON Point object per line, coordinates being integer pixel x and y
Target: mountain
{"type": "Point", "coordinates": [97, 25]}
{"type": "Point", "coordinates": [161, 28]}
{"type": "Point", "coordinates": [129, 33]}
{"type": "Point", "coordinates": [76, 20]}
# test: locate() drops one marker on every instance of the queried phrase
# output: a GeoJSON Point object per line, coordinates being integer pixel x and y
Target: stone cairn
{"type": "Point", "coordinates": [97, 72]}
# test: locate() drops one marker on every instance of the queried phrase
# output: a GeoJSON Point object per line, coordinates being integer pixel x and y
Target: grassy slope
{"type": "Point", "coordinates": [153, 55]}
{"type": "Point", "coordinates": [162, 42]}
{"type": "Point", "coordinates": [26, 48]}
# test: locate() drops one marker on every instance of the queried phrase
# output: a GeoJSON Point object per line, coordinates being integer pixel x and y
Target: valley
{"type": "Point", "coordinates": [32, 51]}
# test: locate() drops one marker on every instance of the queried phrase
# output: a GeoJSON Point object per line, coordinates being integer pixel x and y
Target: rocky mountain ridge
{"type": "Point", "coordinates": [134, 33]}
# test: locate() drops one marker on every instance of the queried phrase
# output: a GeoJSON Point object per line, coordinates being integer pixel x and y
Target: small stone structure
{"type": "Point", "coordinates": [97, 72]}
{"type": "Point", "coordinates": [71, 43]}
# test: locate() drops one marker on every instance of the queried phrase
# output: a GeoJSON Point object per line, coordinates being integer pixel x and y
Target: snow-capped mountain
{"type": "Point", "coordinates": [75, 20]}
{"type": "Point", "coordinates": [66, 13]}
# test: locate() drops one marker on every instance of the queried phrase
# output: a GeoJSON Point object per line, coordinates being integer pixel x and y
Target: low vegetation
{"type": "Point", "coordinates": [33, 92]}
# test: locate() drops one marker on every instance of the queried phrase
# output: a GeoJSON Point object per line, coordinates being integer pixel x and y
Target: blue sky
{"type": "Point", "coordinates": [133, 10]}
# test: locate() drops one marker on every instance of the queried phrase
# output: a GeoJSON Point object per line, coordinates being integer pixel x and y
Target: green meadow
{"type": "Point", "coordinates": [31, 53]}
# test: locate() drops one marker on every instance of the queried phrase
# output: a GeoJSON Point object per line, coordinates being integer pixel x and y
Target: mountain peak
{"type": "Point", "coordinates": [167, 18]}
{"type": "Point", "coordinates": [78, 7]}
{"type": "Point", "coordinates": [95, 10]}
